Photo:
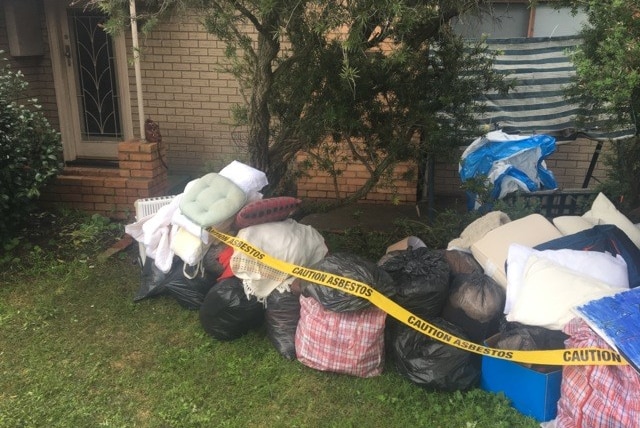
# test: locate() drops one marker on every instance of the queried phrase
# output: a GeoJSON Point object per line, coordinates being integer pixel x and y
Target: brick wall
{"type": "Point", "coordinates": [37, 70]}
{"type": "Point", "coordinates": [320, 185]}
{"type": "Point", "coordinates": [569, 164]}
{"type": "Point", "coordinates": [571, 161]}
{"type": "Point", "coordinates": [112, 191]}
{"type": "Point", "coordinates": [189, 96]}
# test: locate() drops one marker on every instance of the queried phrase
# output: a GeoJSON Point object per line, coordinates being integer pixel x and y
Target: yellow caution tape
{"type": "Point", "coordinates": [567, 357]}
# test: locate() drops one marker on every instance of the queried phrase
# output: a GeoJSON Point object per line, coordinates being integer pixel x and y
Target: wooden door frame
{"type": "Point", "coordinates": [66, 91]}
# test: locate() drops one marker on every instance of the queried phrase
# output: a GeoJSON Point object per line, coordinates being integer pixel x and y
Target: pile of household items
{"type": "Point", "coordinates": [509, 284]}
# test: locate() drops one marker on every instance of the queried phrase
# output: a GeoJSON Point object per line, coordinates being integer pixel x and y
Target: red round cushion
{"type": "Point", "coordinates": [266, 210]}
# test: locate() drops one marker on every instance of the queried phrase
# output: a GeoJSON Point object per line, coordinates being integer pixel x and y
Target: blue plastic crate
{"type": "Point", "coordinates": [532, 393]}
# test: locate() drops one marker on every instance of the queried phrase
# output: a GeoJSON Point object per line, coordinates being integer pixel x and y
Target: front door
{"type": "Point", "coordinates": [91, 81]}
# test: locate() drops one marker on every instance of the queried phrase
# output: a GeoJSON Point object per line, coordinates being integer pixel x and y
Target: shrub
{"type": "Point", "coordinates": [622, 183]}
{"type": "Point", "coordinates": [30, 150]}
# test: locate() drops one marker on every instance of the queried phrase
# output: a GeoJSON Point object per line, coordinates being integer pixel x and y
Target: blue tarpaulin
{"type": "Point", "coordinates": [509, 162]}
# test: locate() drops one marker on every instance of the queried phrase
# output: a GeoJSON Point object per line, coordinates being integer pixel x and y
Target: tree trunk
{"type": "Point", "coordinates": [259, 116]}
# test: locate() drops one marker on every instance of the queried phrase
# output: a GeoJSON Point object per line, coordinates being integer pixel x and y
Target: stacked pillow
{"type": "Point", "coordinates": [544, 286]}
{"type": "Point", "coordinates": [602, 211]}
{"type": "Point", "coordinates": [595, 264]}
{"type": "Point", "coordinates": [491, 250]}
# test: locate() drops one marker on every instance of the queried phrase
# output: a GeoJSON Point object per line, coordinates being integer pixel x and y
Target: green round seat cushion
{"type": "Point", "coordinates": [212, 200]}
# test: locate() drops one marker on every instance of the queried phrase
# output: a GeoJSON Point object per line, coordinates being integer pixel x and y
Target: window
{"type": "Point", "coordinates": [516, 19]}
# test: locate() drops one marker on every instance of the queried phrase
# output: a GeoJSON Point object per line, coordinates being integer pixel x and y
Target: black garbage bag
{"type": "Point", "coordinates": [433, 364]}
{"type": "Point", "coordinates": [461, 262]}
{"type": "Point", "coordinates": [475, 303]}
{"type": "Point", "coordinates": [188, 292]}
{"type": "Point", "coordinates": [281, 317]}
{"type": "Point", "coordinates": [227, 314]}
{"type": "Point", "coordinates": [523, 337]}
{"type": "Point", "coordinates": [350, 266]}
{"type": "Point", "coordinates": [421, 279]}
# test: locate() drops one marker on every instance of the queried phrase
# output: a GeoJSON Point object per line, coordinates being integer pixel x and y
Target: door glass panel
{"type": "Point", "coordinates": [96, 74]}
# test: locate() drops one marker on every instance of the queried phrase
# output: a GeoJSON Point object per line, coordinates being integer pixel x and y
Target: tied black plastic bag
{"type": "Point", "coordinates": [350, 266]}
{"type": "Point", "coordinates": [421, 278]}
{"type": "Point", "coordinates": [189, 293]}
{"type": "Point", "coordinates": [227, 314]}
{"type": "Point", "coordinates": [514, 335]}
{"type": "Point", "coordinates": [432, 364]}
{"type": "Point", "coordinates": [475, 303]}
{"type": "Point", "coordinates": [281, 316]}
{"type": "Point", "coordinates": [522, 337]}
{"type": "Point", "coordinates": [461, 262]}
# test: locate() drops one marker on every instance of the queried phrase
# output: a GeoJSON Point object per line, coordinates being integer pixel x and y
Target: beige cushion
{"type": "Point", "coordinates": [603, 211]}
{"type": "Point", "coordinates": [477, 229]}
{"type": "Point", "coordinates": [570, 224]}
{"type": "Point", "coordinates": [492, 249]}
{"type": "Point", "coordinates": [550, 292]}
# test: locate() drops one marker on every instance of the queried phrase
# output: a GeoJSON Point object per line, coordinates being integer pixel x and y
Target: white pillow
{"type": "Point", "coordinates": [188, 246]}
{"type": "Point", "coordinates": [597, 265]}
{"type": "Point", "coordinates": [570, 224]}
{"type": "Point", "coordinates": [549, 292]}
{"type": "Point", "coordinates": [491, 250]}
{"type": "Point", "coordinates": [249, 179]}
{"type": "Point", "coordinates": [603, 211]}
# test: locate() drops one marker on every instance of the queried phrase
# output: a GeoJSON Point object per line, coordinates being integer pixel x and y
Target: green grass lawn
{"type": "Point", "coordinates": [76, 351]}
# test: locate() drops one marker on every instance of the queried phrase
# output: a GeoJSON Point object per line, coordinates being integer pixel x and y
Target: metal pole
{"type": "Point", "coordinates": [592, 165]}
{"type": "Point", "coordinates": [136, 64]}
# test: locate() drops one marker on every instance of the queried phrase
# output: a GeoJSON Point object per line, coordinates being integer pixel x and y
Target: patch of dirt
{"type": "Point", "coordinates": [61, 235]}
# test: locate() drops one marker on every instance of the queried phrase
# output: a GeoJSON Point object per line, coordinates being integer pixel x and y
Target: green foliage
{"type": "Point", "coordinates": [518, 208]}
{"type": "Point", "coordinates": [607, 84]}
{"type": "Point", "coordinates": [372, 244]}
{"type": "Point", "coordinates": [30, 150]}
{"type": "Point", "coordinates": [445, 226]}
{"type": "Point", "coordinates": [481, 187]}
{"type": "Point", "coordinates": [57, 238]}
{"type": "Point", "coordinates": [623, 173]}
{"type": "Point", "coordinates": [382, 93]}
{"type": "Point", "coordinates": [607, 62]}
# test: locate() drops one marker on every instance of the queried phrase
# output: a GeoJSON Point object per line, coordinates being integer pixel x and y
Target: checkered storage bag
{"type": "Point", "coordinates": [596, 396]}
{"type": "Point", "coordinates": [341, 342]}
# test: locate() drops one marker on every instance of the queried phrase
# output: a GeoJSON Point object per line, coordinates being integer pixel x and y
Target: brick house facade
{"type": "Point", "coordinates": [185, 92]}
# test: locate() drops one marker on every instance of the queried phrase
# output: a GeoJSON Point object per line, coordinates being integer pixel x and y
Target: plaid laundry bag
{"type": "Point", "coordinates": [596, 396]}
{"type": "Point", "coordinates": [341, 342]}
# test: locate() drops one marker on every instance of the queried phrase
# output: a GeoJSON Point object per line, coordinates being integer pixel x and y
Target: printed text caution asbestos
{"type": "Point", "coordinates": [590, 356]}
